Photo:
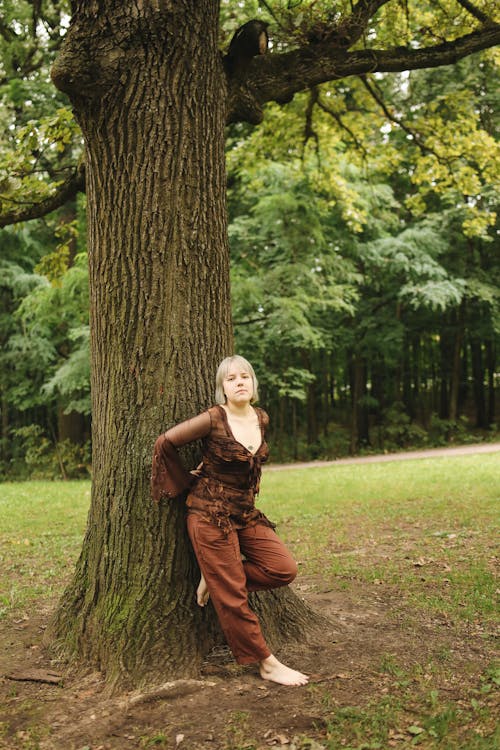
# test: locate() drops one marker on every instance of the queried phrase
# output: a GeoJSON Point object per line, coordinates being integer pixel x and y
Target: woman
{"type": "Point", "coordinates": [223, 522]}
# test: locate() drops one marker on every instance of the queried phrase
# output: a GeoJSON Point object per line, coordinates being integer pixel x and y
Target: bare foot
{"type": "Point", "coordinates": [202, 593]}
{"type": "Point", "coordinates": [274, 670]}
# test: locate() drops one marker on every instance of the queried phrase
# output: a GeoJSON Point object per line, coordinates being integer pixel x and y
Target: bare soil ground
{"type": "Point", "coordinates": [231, 707]}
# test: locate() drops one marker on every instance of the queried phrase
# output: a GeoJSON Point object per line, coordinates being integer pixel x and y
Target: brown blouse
{"type": "Point", "coordinates": [224, 486]}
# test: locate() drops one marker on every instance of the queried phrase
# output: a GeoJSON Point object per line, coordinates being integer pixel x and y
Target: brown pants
{"type": "Point", "coordinates": [267, 565]}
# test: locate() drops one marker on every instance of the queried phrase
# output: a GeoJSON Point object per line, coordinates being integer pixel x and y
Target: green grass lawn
{"type": "Point", "coordinates": [390, 522]}
{"type": "Point", "coordinates": [426, 530]}
{"type": "Point", "coordinates": [398, 523]}
{"type": "Point", "coordinates": [41, 530]}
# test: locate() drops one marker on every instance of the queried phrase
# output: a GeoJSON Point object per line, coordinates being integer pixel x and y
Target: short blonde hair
{"type": "Point", "coordinates": [224, 366]}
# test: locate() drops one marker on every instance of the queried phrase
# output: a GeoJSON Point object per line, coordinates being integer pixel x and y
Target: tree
{"type": "Point", "coordinates": [152, 98]}
{"type": "Point", "coordinates": [41, 143]}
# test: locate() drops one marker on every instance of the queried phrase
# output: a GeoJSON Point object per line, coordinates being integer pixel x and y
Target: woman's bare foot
{"type": "Point", "coordinates": [274, 670]}
{"type": "Point", "coordinates": [202, 593]}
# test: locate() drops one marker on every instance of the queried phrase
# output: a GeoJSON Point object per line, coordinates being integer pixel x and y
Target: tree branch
{"type": "Point", "coordinates": [418, 139]}
{"type": "Point", "coordinates": [355, 25]}
{"type": "Point", "coordinates": [272, 13]}
{"type": "Point", "coordinates": [474, 11]}
{"type": "Point", "coordinates": [342, 125]}
{"type": "Point", "coordinates": [69, 188]}
{"type": "Point", "coordinates": [8, 34]}
{"type": "Point", "coordinates": [309, 131]}
{"type": "Point", "coordinates": [277, 77]}
{"type": "Point", "coordinates": [250, 321]}
{"type": "Point", "coordinates": [392, 118]}
{"type": "Point", "coordinates": [347, 31]}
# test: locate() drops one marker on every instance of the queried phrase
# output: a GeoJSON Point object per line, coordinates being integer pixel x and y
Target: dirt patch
{"type": "Point", "coordinates": [372, 642]}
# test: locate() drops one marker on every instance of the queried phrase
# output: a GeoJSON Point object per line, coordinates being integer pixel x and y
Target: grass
{"type": "Point", "coordinates": [40, 536]}
{"type": "Point", "coordinates": [428, 529]}
{"type": "Point", "coordinates": [413, 714]}
{"type": "Point", "coordinates": [429, 526]}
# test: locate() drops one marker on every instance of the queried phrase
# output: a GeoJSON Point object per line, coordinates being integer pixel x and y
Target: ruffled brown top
{"type": "Point", "coordinates": [224, 487]}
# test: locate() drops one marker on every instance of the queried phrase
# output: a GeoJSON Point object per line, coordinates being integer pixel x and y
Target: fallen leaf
{"type": "Point", "coordinates": [415, 730]}
{"type": "Point", "coordinates": [311, 744]}
{"type": "Point", "coordinates": [277, 739]}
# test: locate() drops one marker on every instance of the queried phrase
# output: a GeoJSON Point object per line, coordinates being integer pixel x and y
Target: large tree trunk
{"type": "Point", "coordinates": [490, 358]}
{"type": "Point", "coordinates": [360, 434]}
{"type": "Point", "coordinates": [445, 356]}
{"type": "Point", "coordinates": [71, 426]}
{"type": "Point", "coordinates": [4, 442]}
{"type": "Point", "coordinates": [478, 381]}
{"type": "Point", "coordinates": [149, 92]}
{"type": "Point", "coordinates": [456, 363]}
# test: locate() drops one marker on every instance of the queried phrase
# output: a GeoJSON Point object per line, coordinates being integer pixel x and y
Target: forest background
{"type": "Point", "coordinates": [364, 249]}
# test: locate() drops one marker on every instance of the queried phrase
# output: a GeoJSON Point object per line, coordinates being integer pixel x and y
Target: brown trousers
{"type": "Point", "coordinates": [267, 565]}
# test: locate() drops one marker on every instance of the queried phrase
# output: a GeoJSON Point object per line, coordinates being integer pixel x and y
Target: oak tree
{"type": "Point", "coordinates": [152, 96]}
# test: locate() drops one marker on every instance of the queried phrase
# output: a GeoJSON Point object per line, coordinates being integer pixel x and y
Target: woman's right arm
{"type": "Point", "coordinates": [169, 476]}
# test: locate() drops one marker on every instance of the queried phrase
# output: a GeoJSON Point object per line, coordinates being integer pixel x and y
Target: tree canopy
{"type": "Point", "coordinates": [41, 164]}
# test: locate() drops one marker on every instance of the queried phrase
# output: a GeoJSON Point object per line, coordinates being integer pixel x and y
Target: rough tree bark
{"type": "Point", "coordinates": [148, 88]}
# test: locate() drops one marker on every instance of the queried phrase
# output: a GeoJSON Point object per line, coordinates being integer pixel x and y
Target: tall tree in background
{"type": "Point", "coordinates": [152, 97]}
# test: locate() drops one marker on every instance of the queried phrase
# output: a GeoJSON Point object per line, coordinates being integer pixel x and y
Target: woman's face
{"type": "Point", "coordinates": [238, 385]}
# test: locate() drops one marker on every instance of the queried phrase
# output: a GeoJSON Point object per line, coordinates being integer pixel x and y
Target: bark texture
{"type": "Point", "coordinates": [148, 88]}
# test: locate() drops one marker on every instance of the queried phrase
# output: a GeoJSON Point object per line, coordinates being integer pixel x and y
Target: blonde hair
{"type": "Point", "coordinates": [224, 366]}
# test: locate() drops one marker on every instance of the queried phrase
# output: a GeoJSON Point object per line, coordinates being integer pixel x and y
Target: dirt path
{"type": "Point", "coordinates": [459, 450]}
